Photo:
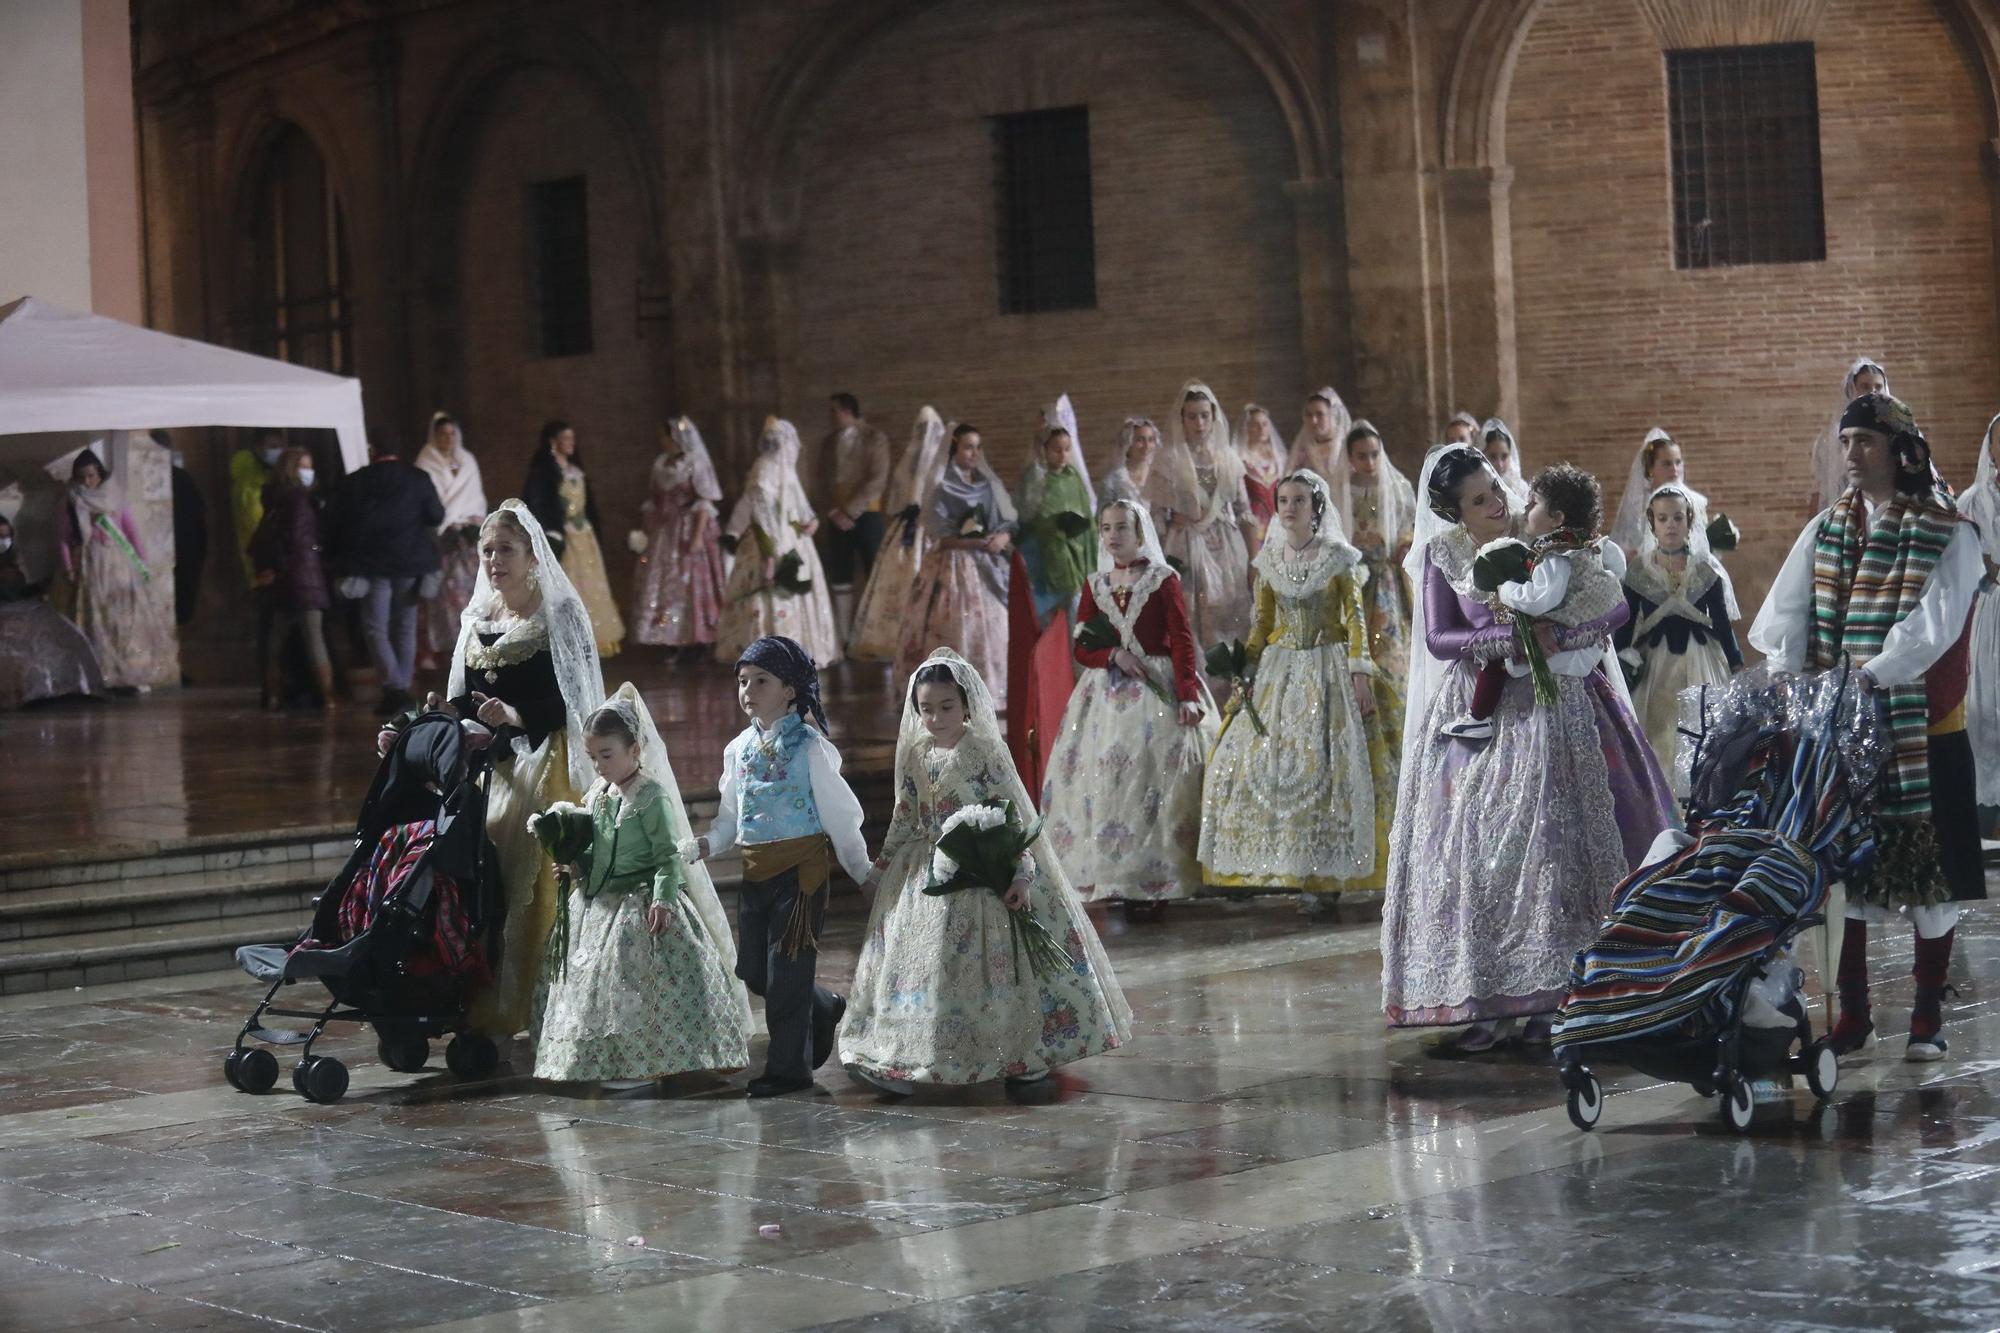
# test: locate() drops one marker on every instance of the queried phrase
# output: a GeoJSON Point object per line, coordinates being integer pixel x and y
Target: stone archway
{"type": "Point", "coordinates": [764, 205]}
{"type": "Point", "coordinates": [452, 128]}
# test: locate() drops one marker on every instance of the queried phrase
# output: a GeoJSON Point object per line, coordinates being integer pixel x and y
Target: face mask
{"type": "Point", "coordinates": [270, 456]}
{"type": "Point", "coordinates": [6, 545]}
{"type": "Point", "coordinates": [306, 476]}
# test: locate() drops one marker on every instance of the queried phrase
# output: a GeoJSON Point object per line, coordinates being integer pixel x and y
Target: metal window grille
{"type": "Point", "coordinates": [1048, 245]}
{"type": "Point", "coordinates": [559, 267]}
{"type": "Point", "coordinates": [1745, 129]}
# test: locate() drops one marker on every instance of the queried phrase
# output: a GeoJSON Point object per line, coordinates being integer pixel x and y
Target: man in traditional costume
{"type": "Point", "coordinates": [850, 474]}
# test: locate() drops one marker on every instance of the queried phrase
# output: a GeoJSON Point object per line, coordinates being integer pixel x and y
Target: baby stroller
{"type": "Point", "coordinates": [1692, 978]}
{"type": "Point", "coordinates": [402, 934]}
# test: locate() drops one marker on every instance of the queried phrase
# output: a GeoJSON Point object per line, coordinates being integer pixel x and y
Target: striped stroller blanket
{"type": "Point", "coordinates": [1682, 930]}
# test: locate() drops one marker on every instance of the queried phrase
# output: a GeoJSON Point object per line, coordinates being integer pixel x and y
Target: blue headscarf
{"type": "Point", "coordinates": [793, 666]}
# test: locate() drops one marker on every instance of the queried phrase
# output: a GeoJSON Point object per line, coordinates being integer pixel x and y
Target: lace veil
{"type": "Point", "coordinates": [572, 644]}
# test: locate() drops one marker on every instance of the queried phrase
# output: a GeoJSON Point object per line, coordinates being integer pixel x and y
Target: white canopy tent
{"type": "Point", "coordinates": [64, 371]}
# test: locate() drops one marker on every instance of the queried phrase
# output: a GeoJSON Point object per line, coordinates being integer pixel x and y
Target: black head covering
{"type": "Point", "coordinates": [792, 665]}
{"type": "Point", "coordinates": [1886, 415]}
{"type": "Point", "coordinates": [88, 458]}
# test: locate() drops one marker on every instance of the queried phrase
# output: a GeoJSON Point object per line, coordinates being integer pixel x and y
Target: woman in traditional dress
{"type": "Point", "coordinates": [1058, 512]}
{"type": "Point", "coordinates": [1263, 462]}
{"type": "Point", "coordinates": [1378, 512]}
{"type": "Point", "coordinates": [878, 618]}
{"type": "Point", "coordinates": [1123, 792]}
{"type": "Point", "coordinates": [1829, 455]}
{"type": "Point", "coordinates": [103, 572]}
{"type": "Point", "coordinates": [1292, 806]}
{"type": "Point", "coordinates": [940, 993]}
{"type": "Point", "coordinates": [1326, 423]}
{"type": "Point", "coordinates": [1680, 636]}
{"type": "Point", "coordinates": [558, 494]}
{"type": "Point", "coordinates": [455, 473]}
{"type": "Point", "coordinates": [959, 599]}
{"type": "Point", "coordinates": [1660, 461]}
{"type": "Point", "coordinates": [525, 667]}
{"type": "Point", "coordinates": [677, 588]}
{"type": "Point", "coordinates": [1506, 851]}
{"type": "Point", "coordinates": [1497, 443]}
{"type": "Point", "coordinates": [1138, 446]}
{"type": "Point", "coordinates": [773, 522]}
{"type": "Point", "coordinates": [1203, 515]}
{"type": "Point", "coordinates": [1981, 504]}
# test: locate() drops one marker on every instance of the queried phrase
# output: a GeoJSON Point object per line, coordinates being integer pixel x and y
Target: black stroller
{"type": "Point", "coordinates": [1692, 978]}
{"type": "Point", "coordinates": [402, 935]}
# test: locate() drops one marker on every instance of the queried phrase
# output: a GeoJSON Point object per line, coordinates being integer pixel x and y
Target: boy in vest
{"type": "Point", "coordinates": [786, 805]}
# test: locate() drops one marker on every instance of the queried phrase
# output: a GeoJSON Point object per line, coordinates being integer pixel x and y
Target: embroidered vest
{"type": "Point", "coordinates": [774, 784]}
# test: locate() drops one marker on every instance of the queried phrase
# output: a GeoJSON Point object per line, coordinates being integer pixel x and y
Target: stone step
{"type": "Point", "coordinates": [27, 915]}
{"type": "Point", "coordinates": [95, 957]}
{"type": "Point", "coordinates": [187, 856]}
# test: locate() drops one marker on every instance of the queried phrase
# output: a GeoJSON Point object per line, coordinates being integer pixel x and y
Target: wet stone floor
{"type": "Point", "coordinates": [1261, 1156]}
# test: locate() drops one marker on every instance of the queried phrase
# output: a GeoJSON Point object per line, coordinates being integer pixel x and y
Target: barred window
{"type": "Point", "coordinates": [1745, 126]}
{"type": "Point", "coordinates": [1048, 247]}
{"type": "Point", "coordinates": [559, 268]}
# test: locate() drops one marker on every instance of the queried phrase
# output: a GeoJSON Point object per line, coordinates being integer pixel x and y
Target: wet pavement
{"type": "Point", "coordinates": [1261, 1156]}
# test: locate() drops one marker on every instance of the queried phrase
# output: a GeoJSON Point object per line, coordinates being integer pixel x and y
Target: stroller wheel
{"type": "Point", "coordinates": [1586, 1102]}
{"type": "Point", "coordinates": [472, 1055]}
{"type": "Point", "coordinates": [405, 1054]}
{"type": "Point", "coordinates": [320, 1078]}
{"type": "Point", "coordinates": [1739, 1105]}
{"type": "Point", "coordinates": [1822, 1069]}
{"type": "Point", "coordinates": [250, 1069]}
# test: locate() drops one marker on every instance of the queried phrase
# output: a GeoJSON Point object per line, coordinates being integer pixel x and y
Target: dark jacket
{"type": "Point", "coordinates": [287, 543]}
{"type": "Point", "coordinates": [190, 543]}
{"type": "Point", "coordinates": [381, 522]}
{"type": "Point", "coordinates": [542, 493]}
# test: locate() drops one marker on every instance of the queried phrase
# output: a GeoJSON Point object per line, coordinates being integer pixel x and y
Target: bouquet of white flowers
{"type": "Point", "coordinates": [980, 847]}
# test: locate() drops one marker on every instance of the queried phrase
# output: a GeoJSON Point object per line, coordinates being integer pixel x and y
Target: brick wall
{"type": "Point", "coordinates": [1743, 365]}
{"type": "Point", "coordinates": [544, 128]}
{"type": "Point", "coordinates": [1196, 250]}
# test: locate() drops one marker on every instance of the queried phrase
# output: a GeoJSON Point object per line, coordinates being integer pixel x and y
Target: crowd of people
{"type": "Point", "coordinates": [1277, 669]}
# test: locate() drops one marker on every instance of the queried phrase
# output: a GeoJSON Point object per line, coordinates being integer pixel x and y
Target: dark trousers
{"type": "Point", "coordinates": [849, 556]}
{"type": "Point", "coordinates": [791, 998]}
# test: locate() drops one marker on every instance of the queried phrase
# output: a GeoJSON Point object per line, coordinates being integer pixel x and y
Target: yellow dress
{"type": "Point", "coordinates": [526, 786]}
{"type": "Point", "coordinates": [583, 561]}
{"type": "Point", "coordinates": [1295, 808]}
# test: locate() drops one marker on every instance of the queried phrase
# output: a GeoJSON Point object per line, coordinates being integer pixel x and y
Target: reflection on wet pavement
{"type": "Point", "coordinates": [1262, 1156]}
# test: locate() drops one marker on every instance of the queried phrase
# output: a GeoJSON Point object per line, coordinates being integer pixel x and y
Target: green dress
{"type": "Point", "coordinates": [1058, 560]}
{"type": "Point", "coordinates": [631, 1004]}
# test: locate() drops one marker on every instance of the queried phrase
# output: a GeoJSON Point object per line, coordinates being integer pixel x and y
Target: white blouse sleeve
{"type": "Point", "coordinates": [839, 808]}
{"type": "Point", "coordinates": [1543, 591]}
{"type": "Point", "coordinates": [722, 833]}
{"type": "Point", "coordinates": [1915, 643]}
{"type": "Point", "coordinates": [1783, 623]}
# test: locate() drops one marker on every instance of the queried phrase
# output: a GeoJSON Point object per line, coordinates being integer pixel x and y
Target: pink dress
{"type": "Point", "coordinates": [677, 589]}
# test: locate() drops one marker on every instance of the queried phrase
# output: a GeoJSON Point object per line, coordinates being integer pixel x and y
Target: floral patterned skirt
{"type": "Point", "coordinates": [635, 1005]}
{"type": "Point", "coordinates": [677, 591]}
{"type": "Point", "coordinates": [1504, 861]}
{"type": "Point", "coordinates": [878, 618]}
{"type": "Point", "coordinates": [1982, 696]}
{"type": "Point", "coordinates": [584, 563]}
{"type": "Point", "coordinates": [938, 997]}
{"type": "Point", "coordinates": [1123, 792]}
{"type": "Point", "coordinates": [951, 605]}
{"type": "Point", "coordinates": [458, 570]}
{"type": "Point", "coordinates": [1657, 697]}
{"type": "Point", "coordinates": [748, 614]}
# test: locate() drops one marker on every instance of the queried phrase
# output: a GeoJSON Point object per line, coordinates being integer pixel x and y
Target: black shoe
{"type": "Point", "coordinates": [770, 1085]}
{"type": "Point", "coordinates": [824, 1022]}
{"type": "Point", "coordinates": [1032, 1091]}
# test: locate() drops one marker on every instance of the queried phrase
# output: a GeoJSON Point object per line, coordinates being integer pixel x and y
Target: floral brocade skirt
{"type": "Point", "coordinates": [1504, 862]}
{"type": "Point", "coordinates": [951, 605]}
{"type": "Point", "coordinates": [1123, 791]}
{"type": "Point", "coordinates": [636, 1005]}
{"type": "Point", "coordinates": [749, 612]}
{"type": "Point", "coordinates": [878, 617]}
{"type": "Point", "coordinates": [939, 997]}
{"type": "Point", "coordinates": [583, 561]}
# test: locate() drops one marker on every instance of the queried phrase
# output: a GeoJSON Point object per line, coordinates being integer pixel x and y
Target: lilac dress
{"type": "Point", "coordinates": [1505, 853]}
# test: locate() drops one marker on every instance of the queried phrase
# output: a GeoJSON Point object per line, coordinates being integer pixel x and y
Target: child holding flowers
{"type": "Point", "coordinates": [1123, 792]}
{"type": "Point", "coordinates": [641, 959]}
{"type": "Point", "coordinates": [957, 982]}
